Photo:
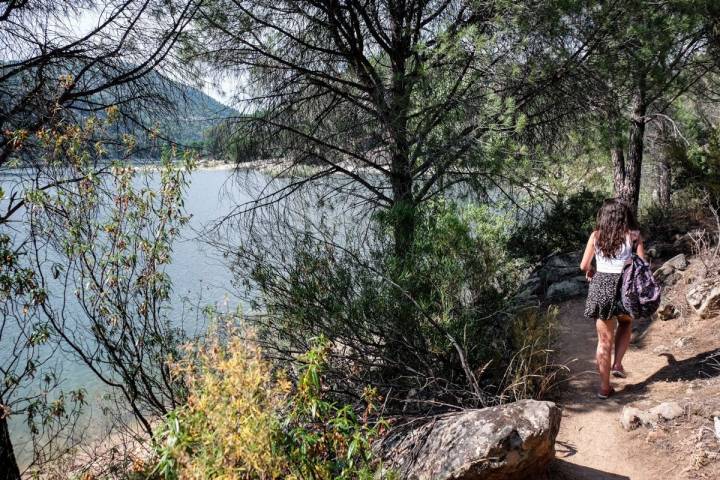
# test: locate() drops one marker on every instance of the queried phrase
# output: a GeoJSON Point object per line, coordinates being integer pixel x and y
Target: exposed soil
{"type": "Point", "coordinates": [676, 360]}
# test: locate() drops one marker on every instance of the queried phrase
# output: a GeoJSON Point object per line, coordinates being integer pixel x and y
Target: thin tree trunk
{"type": "Point", "coordinates": [8, 464]}
{"type": "Point", "coordinates": [618, 160]}
{"type": "Point", "coordinates": [628, 171]}
{"type": "Point", "coordinates": [404, 215]}
{"type": "Point", "coordinates": [636, 145]}
{"type": "Point", "coordinates": [664, 176]}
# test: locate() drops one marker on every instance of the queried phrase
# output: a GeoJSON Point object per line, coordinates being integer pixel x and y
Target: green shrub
{"type": "Point", "coordinates": [565, 226]}
{"type": "Point", "coordinates": [421, 327]}
{"type": "Point", "coordinates": [243, 420]}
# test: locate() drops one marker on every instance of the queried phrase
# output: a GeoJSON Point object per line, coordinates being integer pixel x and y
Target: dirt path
{"type": "Point", "coordinates": [591, 443]}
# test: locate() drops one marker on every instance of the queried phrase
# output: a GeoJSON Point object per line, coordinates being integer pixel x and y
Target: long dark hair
{"type": "Point", "coordinates": [614, 220]}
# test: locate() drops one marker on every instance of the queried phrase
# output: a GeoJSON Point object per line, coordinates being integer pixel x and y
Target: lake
{"type": "Point", "coordinates": [199, 274]}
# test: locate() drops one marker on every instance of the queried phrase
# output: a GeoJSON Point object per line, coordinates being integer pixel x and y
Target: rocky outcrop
{"type": "Point", "coordinates": [512, 441]}
{"type": "Point", "coordinates": [704, 297]}
{"type": "Point", "coordinates": [556, 279]}
{"type": "Point", "coordinates": [669, 273]}
{"type": "Point", "coordinates": [570, 288]}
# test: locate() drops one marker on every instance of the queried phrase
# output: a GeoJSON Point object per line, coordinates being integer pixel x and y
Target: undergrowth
{"type": "Point", "coordinates": [244, 420]}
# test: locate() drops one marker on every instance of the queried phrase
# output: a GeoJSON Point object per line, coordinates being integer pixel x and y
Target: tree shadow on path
{"type": "Point", "coordinates": [702, 365]}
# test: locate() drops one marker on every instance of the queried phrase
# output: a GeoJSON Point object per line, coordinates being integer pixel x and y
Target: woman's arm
{"type": "Point", "coordinates": [586, 263]}
{"type": "Point", "coordinates": [641, 248]}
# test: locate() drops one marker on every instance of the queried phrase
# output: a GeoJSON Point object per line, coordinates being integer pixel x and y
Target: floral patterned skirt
{"type": "Point", "coordinates": [603, 300]}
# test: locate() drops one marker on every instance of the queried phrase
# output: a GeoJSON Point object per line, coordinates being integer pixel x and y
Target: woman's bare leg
{"type": "Point", "coordinates": [606, 333]}
{"type": "Point", "coordinates": [622, 340]}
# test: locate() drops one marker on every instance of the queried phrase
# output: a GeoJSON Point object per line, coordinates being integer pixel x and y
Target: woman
{"type": "Point", "coordinates": [611, 244]}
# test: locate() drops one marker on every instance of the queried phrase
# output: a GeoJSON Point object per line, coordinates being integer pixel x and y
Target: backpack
{"type": "Point", "coordinates": [640, 293]}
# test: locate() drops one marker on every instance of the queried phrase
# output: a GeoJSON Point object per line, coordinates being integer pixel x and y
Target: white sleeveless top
{"type": "Point", "coordinates": [615, 263]}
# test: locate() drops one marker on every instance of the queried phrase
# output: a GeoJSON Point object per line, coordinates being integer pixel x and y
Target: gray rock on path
{"type": "Point", "coordinates": [557, 279]}
{"type": "Point", "coordinates": [632, 418]}
{"type": "Point", "coordinates": [704, 298]}
{"type": "Point", "coordinates": [564, 260]}
{"type": "Point", "coordinates": [684, 243]}
{"type": "Point", "coordinates": [679, 262]}
{"type": "Point", "coordinates": [667, 411]}
{"type": "Point", "coordinates": [506, 442]}
{"type": "Point", "coordinates": [667, 273]}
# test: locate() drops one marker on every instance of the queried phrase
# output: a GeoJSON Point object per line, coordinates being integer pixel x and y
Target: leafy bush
{"type": "Point", "coordinates": [700, 168]}
{"type": "Point", "coordinates": [565, 226]}
{"type": "Point", "coordinates": [243, 420]}
{"type": "Point", "coordinates": [420, 328]}
{"type": "Point", "coordinates": [687, 212]}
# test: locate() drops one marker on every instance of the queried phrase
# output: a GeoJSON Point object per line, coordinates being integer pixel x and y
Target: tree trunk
{"type": "Point", "coordinates": [628, 172]}
{"type": "Point", "coordinates": [664, 176]}
{"type": "Point", "coordinates": [8, 465]}
{"type": "Point", "coordinates": [618, 160]}
{"type": "Point", "coordinates": [404, 214]}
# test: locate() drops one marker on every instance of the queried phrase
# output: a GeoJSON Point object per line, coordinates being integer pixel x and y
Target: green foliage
{"type": "Point", "coordinates": [430, 317]}
{"type": "Point", "coordinates": [321, 439]}
{"type": "Point", "coordinates": [244, 420]}
{"type": "Point", "coordinates": [687, 212]}
{"type": "Point", "coordinates": [235, 142]}
{"type": "Point", "coordinates": [564, 227]}
{"type": "Point", "coordinates": [701, 168]}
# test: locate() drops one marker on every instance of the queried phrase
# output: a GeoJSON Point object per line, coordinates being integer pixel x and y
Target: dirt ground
{"type": "Point", "coordinates": [676, 360]}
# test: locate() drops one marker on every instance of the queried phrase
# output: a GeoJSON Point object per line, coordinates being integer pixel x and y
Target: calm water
{"type": "Point", "coordinates": [200, 275]}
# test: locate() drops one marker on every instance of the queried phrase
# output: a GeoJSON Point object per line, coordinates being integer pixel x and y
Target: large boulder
{"type": "Point", "coordinates": [507, 442]}
{"type": "Point", "coordinates": [567, 289]}
{"type": "Point", "coordinates": [704, 298]}
{"type": "Point", "coordinates": [559, 267]}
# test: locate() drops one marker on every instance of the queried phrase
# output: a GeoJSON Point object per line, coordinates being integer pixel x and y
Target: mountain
{"type": "Point", "coordinates": [196, 112]}
{"type": "Point", "coordinates": [182, 113]}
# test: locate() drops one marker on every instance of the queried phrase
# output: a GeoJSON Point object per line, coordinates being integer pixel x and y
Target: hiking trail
{"type": "Point", "coordinates": [592, 444]}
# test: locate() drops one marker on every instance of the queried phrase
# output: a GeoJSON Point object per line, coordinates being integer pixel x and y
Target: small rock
{"type": "Point", "coordinates": [660, 250]}
{"type": "Point", "coordinates": [671, 280]}
{"type": "Point", "coordinates": [532, 285]}
{"type": "Point", "coordinates": [565, 260]}
{"type": "Point", "coordinates": [684, 243]}
{"type": "Point", "coordinates": [661, 349]}
{"type": "Point", "coordinates": [663, 272]}
{"type": "Point", "coordinates": [668, 272]}
{"type": "Point", "coordinates": [631, 418]}
{"type": "Point", "coordinates": [682, 342]}
{"type": "Point", "coordinates": [668, 312]}
{"type": "Point", "coordinates": [667, 410]}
